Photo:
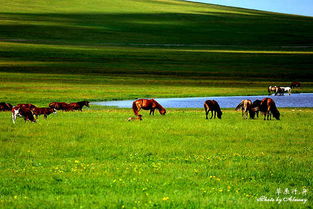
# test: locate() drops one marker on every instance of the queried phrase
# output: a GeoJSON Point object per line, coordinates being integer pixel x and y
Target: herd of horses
{"type": "Point", "coordinates": [280, 90]}
{"type": "Point", "coordinates": [266, 106]}
{"type": "Point", "coordinates": [30, 112]}
{"type": "Point", "coordinates": [249, 109]}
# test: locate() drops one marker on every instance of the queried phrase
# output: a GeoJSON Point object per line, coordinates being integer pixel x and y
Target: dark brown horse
{"type": "Point", "coordinates": [212, 105]}
{"type": "Point", "coordinates": [244, 106]}
{"type": "Point", "coordinates": [295, 85]}
{"type": "Point", "coordinates": [147, 104]}
{"type": "Point", "coordinates": [5, 106]}
{"type": "Point", "coordinates": [43, 111]}
{"type": "Point", "coordinates": [79, 105]}
{"type": "Point", "coordinates": [268, 108]}
{"type": "Point", "coordinates": [60, 106]}
{"type": "Point", "coordinates": [22, 112]}
{"type": "Point", "coordinates": [27, 106]}
{"type": "Point", "coordinates": [255, 108]}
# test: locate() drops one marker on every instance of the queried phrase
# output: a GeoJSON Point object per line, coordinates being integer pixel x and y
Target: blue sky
{"type": "Point", "coordinates": [300, 7]}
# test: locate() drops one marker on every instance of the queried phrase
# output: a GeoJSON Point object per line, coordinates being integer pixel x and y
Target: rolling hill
{"type": "Point", "coordinates": [153, 37]}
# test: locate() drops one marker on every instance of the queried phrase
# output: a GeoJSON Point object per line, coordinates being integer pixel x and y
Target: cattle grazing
{"type": "Point", "coordinates": [22, 112]}
{"type": "Point", "coordinates": [139, 117]}
{"type": "Point", "coordinates": [255, 108]}
{"type": "Point", "coordinates": [147, 104]}
{"type": "Point", "coordinates": [79, 105]}
{"type": "Point", "coordinates": [5, 106]}
{"type": "Point", "coordinates": [295, 85]}
{"type": "Point", "coordinates": [43, 111]}
{"type": "Point", "coordinates": [268, 108]}
{"type": "Point", "coordinates": [212, 106]}
{"type": "Point", "coordinates": [244, 106]}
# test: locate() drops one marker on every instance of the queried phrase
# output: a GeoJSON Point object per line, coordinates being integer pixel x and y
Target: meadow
{"type": "Point", "coordinates": [97, 50]}
{"type": "Point", "coordinates": [97, 159]}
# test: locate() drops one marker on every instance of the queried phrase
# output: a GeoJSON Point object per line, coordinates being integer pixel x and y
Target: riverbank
{"type": "Point", "coordinates": [292, 100]}
{"type": "Point", "coordinates": [43, 88]}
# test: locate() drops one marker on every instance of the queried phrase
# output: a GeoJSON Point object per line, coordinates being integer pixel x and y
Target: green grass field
{"type": "Point", "coordinates": [97, 159]}
{"type": "Point", "coordinates": [100, 50]}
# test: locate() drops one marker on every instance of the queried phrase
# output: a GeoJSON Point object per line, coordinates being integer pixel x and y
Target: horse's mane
{"type": "Point", "coordinates": [218, 109]}
{"type": "Point", "coordinates": [82, 102]}
{"type": "Point", "coordinates": [158, 106]}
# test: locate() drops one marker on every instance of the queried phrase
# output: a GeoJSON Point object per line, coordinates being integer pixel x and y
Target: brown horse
{"type": "Point", "coordinates": [60, 106]}
{"type": "Point", "coordinates": [245, 106]}
{"type": "Point", "coordinates": [273, 89]}
{"type": "Point", "coordinates": [147, 104]}
{"type": "Point", "coordinates": [79, 105]}
{"type": "Point", "coordinates": [212, 105]}
{"type": "Point", "coordinates": [268, 108]}
{"type": "Point", "coordinates": [5, 106]}
{"type": "Point", "coordinates": [295, 85]}
{"type": "Point", "coordinates": [43, 111]}
{"type": "Point", "coordinates": [22, 112]}
{"type": "Point", "coordinates": [255, 108]}
{"type": "Point", "coordinates": [28, 106]}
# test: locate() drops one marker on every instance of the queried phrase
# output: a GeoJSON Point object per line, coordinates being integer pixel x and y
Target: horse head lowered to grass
{"type": "Point", "coordinates": [212, 106]}
{"type": "Point", "coordinates": [268, 108]}
{"type": "Point", "coordinates": [147, 104]}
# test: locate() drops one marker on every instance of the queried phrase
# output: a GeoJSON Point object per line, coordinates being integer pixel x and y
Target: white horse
{"type": "Point", "coordinates": [282, 90]}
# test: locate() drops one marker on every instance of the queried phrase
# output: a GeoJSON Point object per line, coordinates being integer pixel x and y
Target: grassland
{"type": "Point", "coordinates": [96, 159]}
{"type": "Point", "coordinates": [124, 49]}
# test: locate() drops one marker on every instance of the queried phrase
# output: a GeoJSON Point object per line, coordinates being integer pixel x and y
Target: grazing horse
{"type": "Point", "coordinates": [273, 89]}
{"type": "Point", "coordinates": [245, 106]}
{"type": "Point", "coordinates": [295, 84]}
{"type": "Point", "coordinates": [22, 112]}
{"type": "Point", "coordinates": [28, 106]}
{"type": "Point", "coordinates": [5, 106]}
{"type": "Point", "coordinates": [282, 90]}
{"type": "Point", "coordinates": [268, 108]}
{"type": "Point", "coordinates": [43, 111]}
{"type": "Point", "coordinates": [60, 106]}
{"type": "Point", "coordinates": [147, 104]}
{"type": "Point", "coordinates": [212, 105]}
{"type": "Point", "coordinates": [79, 105]}
{"type": "Point", "coordinates": [255, 108]}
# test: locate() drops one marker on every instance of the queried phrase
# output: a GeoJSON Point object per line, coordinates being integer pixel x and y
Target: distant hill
{"type": "Point", "coordinates": [149, 21]}
{"type": "Point", "coordinates": [155, 37]}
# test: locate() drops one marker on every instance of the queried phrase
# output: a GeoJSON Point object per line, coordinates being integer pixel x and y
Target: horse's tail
{"type": "Point", "coordinates": [135, 108]}
{"type": "Point", "coordinates": [239, 106]}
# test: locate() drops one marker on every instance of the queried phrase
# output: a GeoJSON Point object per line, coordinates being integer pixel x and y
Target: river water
{"type": "Point", "coordinates": [293, 100]}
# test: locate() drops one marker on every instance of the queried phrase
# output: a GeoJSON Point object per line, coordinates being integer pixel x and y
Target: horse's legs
{"type": "Point", "coordinates": [13, 117]}
{"type": "Point", "coordinates": [214, 114]}
{"type": "Point", "coordinates": [211, 114]}
{"type": "Point", "coordinates": [152, 111]}
{"type": "Point", "coordinates": [137, 109]}
{"type": "Point", "coordinates": [206, 111]}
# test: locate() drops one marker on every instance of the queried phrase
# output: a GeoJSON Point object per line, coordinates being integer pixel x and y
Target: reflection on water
{"type": "Point", "coordinates": [293, 100]}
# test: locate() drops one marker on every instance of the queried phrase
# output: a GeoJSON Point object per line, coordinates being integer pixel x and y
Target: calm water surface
{"type": "Point", "coordinates": [293, 100]}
